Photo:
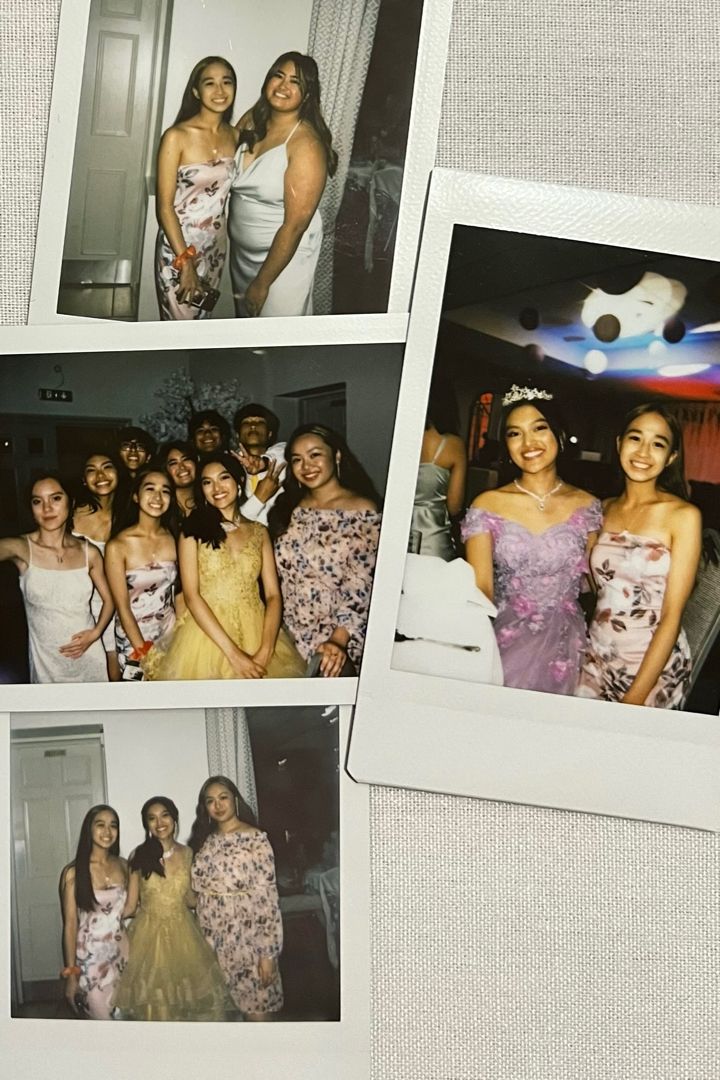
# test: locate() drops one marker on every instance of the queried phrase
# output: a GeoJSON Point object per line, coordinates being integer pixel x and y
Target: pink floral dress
{"type": "Point", "coordinates": [102, 952]}
{"type": "Point", "coordinates": [239, 912]}
{"type": "Point", "coordinates": [200, 198]}
{"type": "Point", "coordinates": [631, 573]}
{"type": "Point", "coordinates": [326, 561]}
{"type": "Point", "coordinates": [540, 628]}
{"type": "Point", "coordinates": [151, 591]}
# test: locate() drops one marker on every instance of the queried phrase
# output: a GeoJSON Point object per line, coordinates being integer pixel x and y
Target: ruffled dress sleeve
{"type": "Point", "coordinates": [357, 544]}
{"type": "Point", "coordinates": [478, 521]}
{"type": "Point", "coordinates": [264, 897]}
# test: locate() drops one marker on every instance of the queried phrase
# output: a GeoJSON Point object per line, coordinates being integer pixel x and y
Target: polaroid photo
{"type": "Point", "coordinates": [198, 516]}
{"type": "Point", "coordinates": [207, 161]}
{"type": "Point", "coordinates": [177, 872]}
{"type": "Point", "coordinates": [545, 620]}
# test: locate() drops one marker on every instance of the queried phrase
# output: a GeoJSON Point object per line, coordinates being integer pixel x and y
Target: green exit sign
{"type": "Point", "coordinates": [55, 395]}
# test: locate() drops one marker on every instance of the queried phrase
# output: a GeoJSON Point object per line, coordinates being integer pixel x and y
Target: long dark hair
{"type": "Point", "coordinates": [672, 478]}
{"type": "Point", "coordinates": [204, 522]}
{"type": "Point", "coordinates": [202, 826]}
{"type": "Point", "coordinates": [190, 104]}
{"type": "Point", "coordinates": [84, 895]}
{"type": "Point", "coordinates": [169, 520]}
{"type": "Point", "coordinates": [67, 490]}
{"type": "Point", "coordinates": [147, 857]}
{"type": "Point", "coordinates": [83, 494]}
{"type": "Point", "coordinates": [350, 473]}
{"type": "Point", "coordinates": [550, 412]}
{"type": "Point", "coordinates": [307, 73]}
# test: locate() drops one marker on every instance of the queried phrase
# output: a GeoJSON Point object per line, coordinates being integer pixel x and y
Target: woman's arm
{"type": "Point", "coordinates": [15, 548]}
{"type": "Point", "coordinates": [273, 603]}
{"type": "Point", "coordinates": [266, 904]}
{"type": "Point", "coordinates": [686, 532]}
{"type": "Point", "coordinates": [304, 184]}
{"type": "Point", "coordinates": [133, 894]}
{"type": "Point", "coordinates": [115, 573]}
{"type": "Point", "coordinates": [168, 160]}
{"type": "Point", "coordinates": [242, 664]}
{"type": "Point", "coordinates": [70, 928]}
{"type": "Point", "coordinates": [353, 595]}
{"type": "Point", "coordinates": [458, 474]}
{"type": "Point", "coordinates": [81, 641]}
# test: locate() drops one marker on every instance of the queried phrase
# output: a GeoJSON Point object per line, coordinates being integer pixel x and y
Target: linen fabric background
{"type": "Point", "coordinates": [511, 943]}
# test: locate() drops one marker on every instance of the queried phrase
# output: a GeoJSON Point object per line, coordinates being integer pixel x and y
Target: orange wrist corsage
{"type": "Point", "coordinates": [180, 260]}
{"type": "Point", "coordinates": [138, 654]}
{"type": "Point", "coordinates": [68, 971]}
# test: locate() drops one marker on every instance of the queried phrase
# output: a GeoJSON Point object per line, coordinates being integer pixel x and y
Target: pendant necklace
{"type": "Point", "coordinates": [539, 499]}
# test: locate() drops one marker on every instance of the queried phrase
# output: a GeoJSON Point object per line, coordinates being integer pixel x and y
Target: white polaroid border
{"type": "Point", "coordinates": [515, 745]}
{"type": "Point", "coordinates": [128, 337]}
{"type": "Point", "coordinates": [60, 150]}
{"type": "Point", "coordinates": [173, 1051]}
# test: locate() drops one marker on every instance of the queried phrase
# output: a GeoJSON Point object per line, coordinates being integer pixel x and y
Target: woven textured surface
{"type": "Point", "coordinates": [511, 943]}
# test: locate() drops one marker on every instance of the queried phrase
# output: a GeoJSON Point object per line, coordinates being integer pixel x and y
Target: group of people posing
{"type": "Point", "coordinates": [272, 166]}
{"type": "Point", "coordinates": [537, 543]}
{"type": "Point", "coordinates": [206, 931]}
{"type": "Point", "coordinates": [197, 561]}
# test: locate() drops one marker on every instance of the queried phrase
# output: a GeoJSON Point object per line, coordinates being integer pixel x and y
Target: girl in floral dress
{"type": "Point", "coordinates": [141, 567]}
{"type": "Point", "coordinates": [527, 542]}
{"type": "Point", "coordinates": [93, 891]}
{"type": "Point", "coordinates": [644, 565]}
{"type": "Point", "coordinates": [326, 527]}
{"type": "Point", "coordinates": [195, 167]}
{"type": "Point", "coordinates": [233, 874]}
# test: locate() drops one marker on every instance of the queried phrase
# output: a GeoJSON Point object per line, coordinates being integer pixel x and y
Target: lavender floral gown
{"type": "Point", "coordinates": [540, 628]}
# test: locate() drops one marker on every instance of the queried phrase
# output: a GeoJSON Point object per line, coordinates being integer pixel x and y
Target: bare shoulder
{"type": "Point", "coordinates": [490, 500]}
{"type": "Point", "coordinates": [684, 515]}
{"type": "Point", "coordinates": [174, 138]}
{"type": "Point", "coordinates": [245, 122]}
{"type": "Point", "coordinates": [455, 446]}
{"type": "Point", "coordinates": [67, 877]}
{"type": "Point", "coordinates": [580, 497]}
{"type": "Point", "coordinates": [358, 503]}
{"type": "Point", "coordinates": [306, 143]}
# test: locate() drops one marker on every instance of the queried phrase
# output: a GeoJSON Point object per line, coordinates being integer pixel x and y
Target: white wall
{"type": "Point", "coordinates": [103, 384]}
{"type": "Point", "coordinates": [250, 34]}
{"type": "Point", "coordinates": [146, 753]}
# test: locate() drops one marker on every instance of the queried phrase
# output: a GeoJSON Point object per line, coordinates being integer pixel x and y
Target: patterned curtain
{"type": "Point", "coordinates": [229, 750]}
{"type": "Point", "coordinates": [341, 40]}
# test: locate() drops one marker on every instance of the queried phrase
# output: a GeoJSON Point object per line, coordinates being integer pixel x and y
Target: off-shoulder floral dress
{"type": "Point", "coordinates": [239, 912]}
{"type": "Point", "coordinates": [326, 561]}
{"type": "Point", "coordinates": [631, 573]}
{"type": "Point", "coordinates": [540, 628]}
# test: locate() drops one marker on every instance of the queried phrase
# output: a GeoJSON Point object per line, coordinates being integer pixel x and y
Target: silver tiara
{"type": "Point", "coordinates": [525, 393]}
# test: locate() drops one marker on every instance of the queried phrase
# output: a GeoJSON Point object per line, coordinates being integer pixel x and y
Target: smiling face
{"type": "Point", "coordinates": [215, 89]}
{"type": "Point", "coordinates": [220, 804]}
{"type": "Point", "coordinates": [133, 455]}
{"type": "Point", "coordinates": [207, 437]}
{"type": "Point", "coordinates": [529, 439]}
{"type": "Point", "coordinates": [181, 467]}
{"type": "Point", "coordinates": [283, 91]}
{"type": "Point", "coordinates": [219, 488]}
{"type": "Point", "coordinates": [105, 830]}
{"type": "Point", "coordinates": [160, 822]}
{"type": "Point", "coordinates": [100, 475]}
{"type": "Point", "coordinates": [154, 494]}
{"type": "Point", "coordinates": [50, 504]}
{"type": "Point", "coordinates": [313, 462]}
{"type": "Point", "coordinates": [646, 447]}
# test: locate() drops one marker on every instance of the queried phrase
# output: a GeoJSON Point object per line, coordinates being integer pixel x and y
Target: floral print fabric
{"type": "Point", "coordinates": [200, 199]}
{"type": "Point", "coordinates": [101, 951]}
{"type": "Point", "coordinates": [631, 574]}
{"type": "Point", "coordinates": [151, 590]}
{"type": "Point", "coordinates": [540, 628]}
{"type": "Point", "coordinates": [239, 913]}
{"type": "Point", "coordinates": [326, 560]}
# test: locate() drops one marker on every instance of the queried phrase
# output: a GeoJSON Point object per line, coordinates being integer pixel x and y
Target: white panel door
{"type": "Point", "coordinates": [108, 197]}
{"type": "Point", "coordinates": [54, 783]}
